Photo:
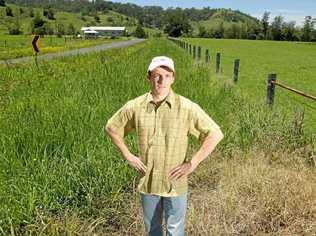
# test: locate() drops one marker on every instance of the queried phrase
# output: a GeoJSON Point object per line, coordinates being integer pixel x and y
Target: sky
{"type": "Point", "coordinates": [291, 10]}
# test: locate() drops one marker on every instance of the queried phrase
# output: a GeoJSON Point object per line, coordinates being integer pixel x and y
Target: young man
{"type": "Point", "coordinates": [162, 120]}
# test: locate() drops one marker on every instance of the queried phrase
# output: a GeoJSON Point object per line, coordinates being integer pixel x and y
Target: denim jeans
{"type": "Point", "coordinates": [174, 209]}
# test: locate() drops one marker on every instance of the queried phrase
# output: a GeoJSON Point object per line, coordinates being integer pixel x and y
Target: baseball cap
{"type": "Point", "coordinates": [161, 61]}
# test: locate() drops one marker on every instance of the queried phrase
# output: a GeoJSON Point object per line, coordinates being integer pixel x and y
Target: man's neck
{"type": "Point", "coordinates": [159, 97]}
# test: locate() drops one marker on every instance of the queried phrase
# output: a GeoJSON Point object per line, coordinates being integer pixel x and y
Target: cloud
{"type": "Point", "coordinates": [288, 14]}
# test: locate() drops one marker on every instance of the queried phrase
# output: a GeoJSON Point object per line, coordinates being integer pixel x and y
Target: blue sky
{"type": "Point", "coordinates": [290, 9]}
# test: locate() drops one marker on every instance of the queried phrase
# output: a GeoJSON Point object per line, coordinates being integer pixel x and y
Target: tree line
{"type": "Point", "coordinates": [178, 22]}
{"type": "Point", "coordinates": [277, 29]}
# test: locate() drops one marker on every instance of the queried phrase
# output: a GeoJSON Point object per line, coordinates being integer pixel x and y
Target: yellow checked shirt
{"type": "Point", "coordinates": [162, 133]}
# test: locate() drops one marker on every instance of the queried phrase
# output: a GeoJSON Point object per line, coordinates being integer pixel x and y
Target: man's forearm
{"type": "Point", "coordinates": [119, 142]}
{"type": "Point", "coordinates": [207, 147]}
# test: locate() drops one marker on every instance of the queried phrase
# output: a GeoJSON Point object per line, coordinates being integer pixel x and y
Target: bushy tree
{"type": "Point", "coordinates": [289, 31]}
{"type": "Point", "coordinates": [37, 25]}
{"type": "Point", "coordinates": [8, 11]}
{"type": "Point", "coordinates": [60, 29]}
{"type": "Point", "coordinates": [307, 30]}
{"type": "Point", "coordinates": [140, 32]}
{"type": "Point", "coordinates": [265, 24]}
{"type": "Point", "coordinates": [2, 3]}
{"type": "Point", "coordinates": [31, 13]}
{"type": "Point", "coordinates": [15, 28]}
{"type": "Point", "coordinates": [176, 23]}
{"type": "Point", "coordinates": [218, 31]}
{"type": "Point", "coordinates": [202, 32]}
{"type": "Point", "coordinates": [97, 18]}
{"type": "Point", "coordinates": [49, 13]}
{"type": "Point", "coordinates": [276, 28]}
{"type": "Point", "coordinates": [71, 29]}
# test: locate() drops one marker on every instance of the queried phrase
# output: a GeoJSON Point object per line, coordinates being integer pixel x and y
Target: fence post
{"type": "Point", "coordinates": [236, 69]}
{"type": "Point", "coordinates": [190, 49]}
{"type": "Point", "coordinates": [218, 62]}
{"type": "Point", "coordinates": [5, 43]}
{"type": "Point", "coordinates": [35, 59]}
{"type": "Point", "coordinates": [199, 52]}
{"type": "Point", "coordinates": [194, 52]}
{"type": "Point", "coordinates": [270, 88]}
{"type": "Point", "coordinates": [207, 56]}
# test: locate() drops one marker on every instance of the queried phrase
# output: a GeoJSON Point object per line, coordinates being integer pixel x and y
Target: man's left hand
{"type": "Point", "coordinates": [182, 170]}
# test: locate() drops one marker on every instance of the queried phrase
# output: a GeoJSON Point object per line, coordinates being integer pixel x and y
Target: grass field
{"type": "Point", "coordinates": [293, 62]}
{"type": "Point", "coordinates": [61, 175]}
{"type": "Point", "coordinates": [12, 46]}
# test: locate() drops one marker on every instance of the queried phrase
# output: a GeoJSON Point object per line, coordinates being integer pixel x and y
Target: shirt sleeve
{"type": "Point", "coordinates": [122, 122]}
{"type": "Point", "coordinates": [201, 124]}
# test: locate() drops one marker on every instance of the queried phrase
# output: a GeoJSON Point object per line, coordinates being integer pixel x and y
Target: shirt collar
{"type": "Point", "coordinates": [170, 99]}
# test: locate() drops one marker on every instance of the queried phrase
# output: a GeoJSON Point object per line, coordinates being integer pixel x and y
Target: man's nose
{"type": "Point", "coordinates": [161, 79]}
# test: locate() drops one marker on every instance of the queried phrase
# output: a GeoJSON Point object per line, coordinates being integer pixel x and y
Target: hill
{"type": "Point", "coordinates": [60, 20]}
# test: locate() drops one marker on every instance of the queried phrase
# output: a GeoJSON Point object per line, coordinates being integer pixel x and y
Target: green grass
{"type": "Point", "coordinates": [56, 163]}
{"type": "Point", "coordinates": [293, 63]}
{"type": "Point", "coordinates": [14, 46]}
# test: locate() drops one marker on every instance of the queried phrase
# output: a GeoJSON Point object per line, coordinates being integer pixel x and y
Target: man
{"type": "Point", "coordinates": [162, 120]}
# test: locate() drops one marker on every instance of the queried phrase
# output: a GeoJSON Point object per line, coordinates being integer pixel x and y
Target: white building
{"type": "Point", "coordinates": [94, 31]}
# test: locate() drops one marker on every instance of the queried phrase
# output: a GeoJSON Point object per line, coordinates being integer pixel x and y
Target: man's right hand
{"type": "Point", "coordinates": [135, 162]}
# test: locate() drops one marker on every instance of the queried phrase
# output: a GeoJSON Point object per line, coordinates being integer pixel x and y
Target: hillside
{"type": "Point", "coordinates": [225, 18]}
{"type": "Point", "coordinates": [110, 13]}
{"type": "Point", "coordinates": [23, 16]}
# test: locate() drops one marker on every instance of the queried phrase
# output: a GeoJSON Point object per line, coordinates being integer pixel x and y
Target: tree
{"type": "Point", "coordinates": [276, 28]}
{"type": "Point", "coordinates": [71, 29]}
{"type": "Point", "coordinates": [37, 25]}
{"type": "Point", "coordinates": [97, 18]}
{"type": "Point", "coordinates": [176, 23]}
{"type": "Point", "coordinates": [218, 32]}
{"type": "Point", "coordinates": [31, 13]}
{"type": "Point", "coordinates": [8, 11]}
{"type": "Point", "coordinates": [2, 3]}
{"type": "Point", "coordinates": [288, 31]}
{"type": "Point", "coordinates": [60, 29]}
{"type": "Point", "coordinates": [140, 32]}
{"type": "Point", "coordinates": [49, 13]}
{"type": "Point", "coordinates": [265, 24]}
{"type": "Point", "coordinates": [15, 28]}
{"type": "Point", "coordinates": [202, 32]}
{"type": "Point", "coordinates": [307, 29]}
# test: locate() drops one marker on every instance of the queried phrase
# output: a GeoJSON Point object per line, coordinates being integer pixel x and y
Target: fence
{"type": "Point", "coordinates": [271, 83]}
{"type": "Point", "coordinates": [196, 52]}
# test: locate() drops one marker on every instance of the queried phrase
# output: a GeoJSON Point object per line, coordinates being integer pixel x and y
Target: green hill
{"type": "Point", "coordinates": [225, 18]}
{"type": "Point", "coordinates": [23, 16]}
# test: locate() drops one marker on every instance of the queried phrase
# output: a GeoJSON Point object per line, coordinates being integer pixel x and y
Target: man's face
{"type": "Point", "coordinates": [161, 79]}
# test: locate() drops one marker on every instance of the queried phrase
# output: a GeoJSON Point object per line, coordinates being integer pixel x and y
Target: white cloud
{"type": "Point", "coordinates": [288, 14]}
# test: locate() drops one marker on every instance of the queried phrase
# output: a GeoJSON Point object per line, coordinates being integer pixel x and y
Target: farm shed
{"type": "Point", "coordinates": [103, 31]}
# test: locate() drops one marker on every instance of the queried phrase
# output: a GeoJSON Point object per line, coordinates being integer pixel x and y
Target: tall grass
{"type": "Point", "coordinates": [59, 171]}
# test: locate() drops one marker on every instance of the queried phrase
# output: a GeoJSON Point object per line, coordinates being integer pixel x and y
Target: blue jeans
{"type": "Point", "coordinates": [174, 209]}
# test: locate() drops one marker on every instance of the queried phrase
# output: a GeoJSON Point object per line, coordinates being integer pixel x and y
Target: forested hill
{"type": "Point", "coordinates": [189, 22]}
{"type": "Point", "coordinates": [148, 16]}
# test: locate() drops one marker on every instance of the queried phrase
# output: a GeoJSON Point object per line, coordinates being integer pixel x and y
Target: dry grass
{"type": "Point", "coordinates": [248, 195]}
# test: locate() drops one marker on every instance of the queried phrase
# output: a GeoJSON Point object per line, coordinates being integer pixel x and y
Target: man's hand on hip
{"type": "Point", "coordinates": [135, 162]}
{"type": "Point", "coordinates": [182, 170]}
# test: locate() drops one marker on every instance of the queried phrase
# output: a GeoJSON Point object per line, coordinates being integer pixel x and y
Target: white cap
{"type": "Point", "coordinates": [161, 61]}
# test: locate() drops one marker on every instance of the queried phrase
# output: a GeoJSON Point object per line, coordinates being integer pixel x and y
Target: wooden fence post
{"type": "Point", "coordinates": [207, 56]}
{"type": "Point", "coordinates": [270, 88]}
{"type": "Point", "coordinates": [199, 52]}
{"type": "Point", "coordinates": [190, 49]}
{"type": "Point", "coordinates": [218, 62]}
{"type": "Point", "coordinates": [194, 52]}
{"type": "Point", "coordinates": [236, 69]}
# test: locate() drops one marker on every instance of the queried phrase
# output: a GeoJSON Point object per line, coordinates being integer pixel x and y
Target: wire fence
{"type": "Point", "coordinates": [196, 53]}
